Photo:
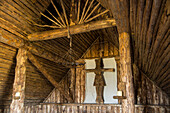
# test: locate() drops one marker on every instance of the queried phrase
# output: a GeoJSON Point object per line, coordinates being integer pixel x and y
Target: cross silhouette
{"type": "Point", "coordinates": [99, 81]}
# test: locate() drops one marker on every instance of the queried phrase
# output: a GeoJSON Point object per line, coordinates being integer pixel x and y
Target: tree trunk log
{"type": "Point", "coordinates": [76, 29]}
{"type": "Point", "coordinates": [126, 72]}
{"type": "Point", "coordinates": [17, 105]}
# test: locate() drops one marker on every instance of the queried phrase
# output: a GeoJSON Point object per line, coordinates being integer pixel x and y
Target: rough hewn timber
{"type": "Point", "coordinates": [73, 82]}
{"type": "Point", "coordinates": [52, 34]}
{"type": "Point", "coordinates": [17, 105]}
{"type": "Point", "coordinates": [126, 72]}
{"type": "Point", "coordinates": [118, 76]}
{"type": "Point", "coordinates": [49, 77]}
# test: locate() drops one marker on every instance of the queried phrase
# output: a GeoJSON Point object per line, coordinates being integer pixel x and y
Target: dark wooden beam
{"type": "Point", "coordinates": [64, 92]}
{"type": "Point", "coordinates": [17, 105]}
{"type": "Point", "coordinates": [75, 29]}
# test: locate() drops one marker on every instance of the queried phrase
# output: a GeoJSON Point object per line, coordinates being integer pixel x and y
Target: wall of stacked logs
{"type": "Point", "coordinates": [147, 92]}
{"type": "Point", "coordinates": [7, 72]}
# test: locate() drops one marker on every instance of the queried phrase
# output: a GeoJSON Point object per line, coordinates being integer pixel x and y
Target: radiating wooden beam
{"type": "Point", "coordinates": [73, 12]}
{"type": "Point", "coordinates": [78, 12]}
{"type": "Point", "coordinates": [63, 91]}
{"type": "Point", "coordinates": [64, 11]}
{"type": "Point", "coordinates": [52, 34]}
{"type": "Point", "coordinates": [82, 15]}
{"type": "Point", "coordinates": [88, 9]}
{"type": "Point", "coordinates": [58, 12]}
{"type": "Point", "coordinates": [17, 43]}
{"type": "Point", "coordinates": [97, 15]}
{"type": "Point", "coordinates": [18, 96]}
{"type": "Point", "coordinates": [92, 11]}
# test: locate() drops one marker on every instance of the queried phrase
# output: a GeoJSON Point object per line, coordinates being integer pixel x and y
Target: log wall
{"type": "Point", "coordinates": [147, 92]}
{"type": "Point", "coordinates": [110, 50]}
{"type": "Point", "coordinates": [7, 72]}
{"type": "Point", "coordinates": [37, 86]}
{"type": "Point", "coordinates": [66, 82]}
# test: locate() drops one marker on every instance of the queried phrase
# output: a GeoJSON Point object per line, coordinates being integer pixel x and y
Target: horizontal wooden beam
{"type": "Point", "coordinates": [103, 70]}
{"type": "Point", "coordinates": [17, 43]}
{"type": "Point", "coordinates": [63, 91]}
{"type": "Point", "coordinates": [52, 34]}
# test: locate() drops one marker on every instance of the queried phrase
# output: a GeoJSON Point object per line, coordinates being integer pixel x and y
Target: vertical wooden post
{"type": "Point", "coordinates": [17, 105]}
{"type": "Point", "coordinates": [73, 82]}
{"type": "Point", "coordinates": [126, 72]}
{"type": "Point", "coordinates": [118, 77]}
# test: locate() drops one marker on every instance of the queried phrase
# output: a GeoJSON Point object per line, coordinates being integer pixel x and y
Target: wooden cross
{"type": "Point", "coordinates": [99, 81]}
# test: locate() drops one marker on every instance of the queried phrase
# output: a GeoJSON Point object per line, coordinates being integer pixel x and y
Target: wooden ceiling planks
{"type": "Point", "coordinates": [154, 14]}
{"type": "Point", "coordinates": [149, 24]}
{"type": "Point", "coordinates": [20, 14]}
{"type": "Point", "coordinates": [7, 68]}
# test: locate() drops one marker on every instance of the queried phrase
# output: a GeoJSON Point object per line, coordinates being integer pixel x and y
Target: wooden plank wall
{"type": "Point", "coordinates": [110, 50]}
{"type": "Point", "coordinates": [147, 92]}
{"type": "Point", "coordinates": [37, 86]}
{"type": "Point", "coordinates": [79, 90]}
{"type": "Point", "coordinates": [7, 72]}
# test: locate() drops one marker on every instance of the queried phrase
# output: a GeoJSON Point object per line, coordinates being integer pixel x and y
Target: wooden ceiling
{"type": "Point", "coordinates": [149, 24]}
{"type": "Point", "coordinates": [149, 27]}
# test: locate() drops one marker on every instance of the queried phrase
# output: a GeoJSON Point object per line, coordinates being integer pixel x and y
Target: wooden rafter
{"type": "Point", "coordinates": [88, 9]}
{"type": "Point", "coordinates": [59, 23]}
{"type": "Point", "coordinates": [83, 11]}
{"type": "Point", "coordinates": [52, 34]}
{"type": "Point", "coordinates": [65, 15]}
{"type": "Point", "coordinates": [58, 12]}
{"type": "Point", "coordinates": [78, 13]}
{"type": "Point", "coordinates": [50, 19]}
{"type": "Point", "coordinates": [97, 15]}
{"type": "Point", "coordinates": [75, 10]}
{"type": "Point", "coordinates": [63, 91]}
{"type": "Point", "coordinates": [92, 11]}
